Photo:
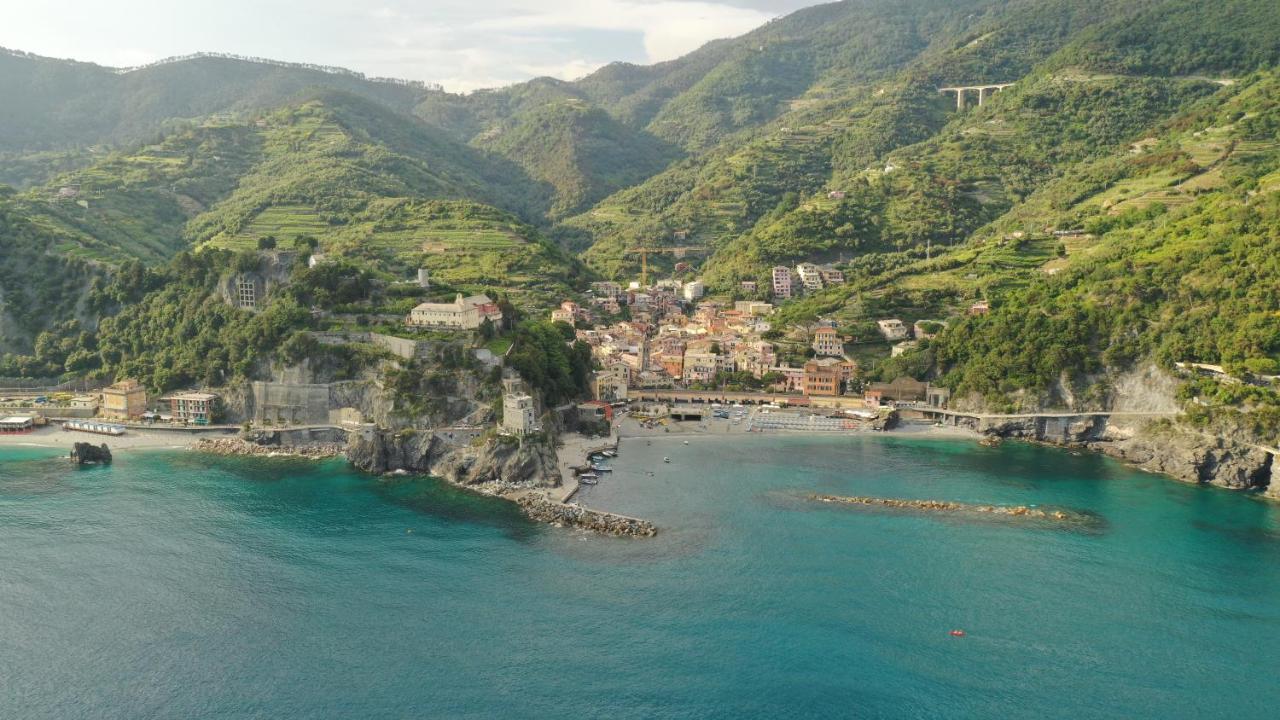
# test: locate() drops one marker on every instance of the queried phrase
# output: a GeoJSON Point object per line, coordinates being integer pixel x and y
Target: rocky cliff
{"type": "Point", "coordinates": [498, 464]}
{"type": "Point", "coordinates": [1162, 446]}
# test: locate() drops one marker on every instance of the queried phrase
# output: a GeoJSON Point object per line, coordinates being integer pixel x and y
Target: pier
{"type": "Point", "coordinates": [577, 451]}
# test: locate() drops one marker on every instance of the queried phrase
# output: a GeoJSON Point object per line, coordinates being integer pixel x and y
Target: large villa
{"type": "Point", "coordinates": [464, 313]}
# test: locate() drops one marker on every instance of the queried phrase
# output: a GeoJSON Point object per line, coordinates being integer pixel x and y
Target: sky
{"type": "Point", "coordinates": [461, 44]}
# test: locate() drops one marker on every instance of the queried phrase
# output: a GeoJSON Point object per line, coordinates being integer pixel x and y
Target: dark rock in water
{"type": "Point", "coordinates": [87, 454]}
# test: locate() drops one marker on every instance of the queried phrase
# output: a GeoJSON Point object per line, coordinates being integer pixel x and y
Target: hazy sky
{"type": "Point", "coordinates": [462, 44]}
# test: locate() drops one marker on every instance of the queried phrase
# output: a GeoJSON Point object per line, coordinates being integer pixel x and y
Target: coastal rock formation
{"type": "Point", "coordinates": [542, 509]}
{"type": "Point", "coordinates": [237, 446]}
{"type": "Point", "coordinates": [1273, 488]}
{"type": "Point", "coordinates": [88, 454]}
{"type": "Point", "coordinates": [1154, 445]}
{"type": "Point", "coordinates": [502, 464]}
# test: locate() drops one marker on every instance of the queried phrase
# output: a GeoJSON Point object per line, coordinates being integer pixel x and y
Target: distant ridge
{"type": "Point", "coordinates": [202, 55]}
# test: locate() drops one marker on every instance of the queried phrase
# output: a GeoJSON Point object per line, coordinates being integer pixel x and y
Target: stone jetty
{"type": "Point", "coordinates": [236, 446]}
{"type": "Point", "coordinates": [945, 506]}
{"type": "Point", "coordinates": [542, 509]}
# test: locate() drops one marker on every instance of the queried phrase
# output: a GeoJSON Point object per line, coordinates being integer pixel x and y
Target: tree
{"type": "Point", "coordinates": [267, 242]}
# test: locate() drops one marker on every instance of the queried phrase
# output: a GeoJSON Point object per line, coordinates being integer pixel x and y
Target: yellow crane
{"type": "Point", "coordinates": [679, 252]}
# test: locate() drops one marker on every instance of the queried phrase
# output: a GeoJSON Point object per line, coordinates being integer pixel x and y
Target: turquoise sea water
{"type": "Point", "coordinates": [173, 585]}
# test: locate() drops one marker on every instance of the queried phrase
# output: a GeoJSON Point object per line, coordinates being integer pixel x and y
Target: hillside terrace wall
{"type": "Point", "coordinates": [401, 347]}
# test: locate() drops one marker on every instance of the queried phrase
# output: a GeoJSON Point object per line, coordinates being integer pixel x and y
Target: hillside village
{"type": "Point", "coordinates": [666, 335]}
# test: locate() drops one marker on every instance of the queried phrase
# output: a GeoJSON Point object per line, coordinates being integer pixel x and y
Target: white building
{"type": "Point", "coordinates": [781, 282]}
{"type": "Point", "coordinates": [893, 329]}
{"type": "Point", "coordinates": [461, 314]}
{"type": "Point", "coordinates": [700, 366]}
{"type": "Point", "coordinates": [611, 385]}
{"type": "Point", "coordinates": [810, 276]}
{"type": "Point", "coordinates": [693, 290]}
{"type": "Point", "coordinates": [519, 417]}
{"type": "Point", "coordinates": [826, 341]}
{"type": "Point", "coordinates": [606, 289]}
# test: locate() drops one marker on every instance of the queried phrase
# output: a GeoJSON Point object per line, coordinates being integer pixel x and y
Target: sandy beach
{"type": "Point", "coordinates": [628, 427]}
{"type": "Point", "coordinates": [57, 438]}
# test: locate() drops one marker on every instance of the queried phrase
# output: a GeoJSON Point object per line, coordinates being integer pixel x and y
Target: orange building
{"type": "Point", "coordinates": [826, 376]}
{"type": "Point", "coordinates": [126, 400]}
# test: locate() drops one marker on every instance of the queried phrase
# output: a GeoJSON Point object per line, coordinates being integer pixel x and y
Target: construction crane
{"type": "Point", "coordinates": [678, 252]}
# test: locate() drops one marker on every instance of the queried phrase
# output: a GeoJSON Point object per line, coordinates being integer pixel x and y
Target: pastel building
{"type": "Point", "coordinates": [782, 282]}
{"type": "Point", "coordinates": [461, 314]}
{"type": "Point", "coordinates": [125, 400]}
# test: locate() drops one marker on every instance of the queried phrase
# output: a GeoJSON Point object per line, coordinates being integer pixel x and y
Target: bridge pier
{"type": "Point", "coordinates": [983, 92]}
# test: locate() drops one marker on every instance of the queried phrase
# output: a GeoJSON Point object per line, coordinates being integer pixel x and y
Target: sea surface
{"type": "Point", "coordinates": [175, 585]}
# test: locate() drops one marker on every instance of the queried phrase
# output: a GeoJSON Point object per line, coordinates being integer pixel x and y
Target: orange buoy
{"type": "Point", "coordinates": [957, 633]}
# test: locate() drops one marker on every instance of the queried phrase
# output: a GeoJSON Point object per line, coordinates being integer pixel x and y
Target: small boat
{"type": "Point", "coordinates": [601, 468]}
{"type": "Point", "coordinates": [686, 442]}
{"type": "Point", "coordinates": [588, 480]}
{"type": "Point", "coordinates": [666, 459]}
{"type": "Point", "coordinates": [609, 454]}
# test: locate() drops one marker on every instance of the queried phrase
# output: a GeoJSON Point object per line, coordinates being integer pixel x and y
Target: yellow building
{"type": "Point", "coordinates": [126, 399]}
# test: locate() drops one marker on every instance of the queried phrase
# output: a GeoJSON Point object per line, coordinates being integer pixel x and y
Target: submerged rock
{"type": "Point", "coordinates": [946, 506]}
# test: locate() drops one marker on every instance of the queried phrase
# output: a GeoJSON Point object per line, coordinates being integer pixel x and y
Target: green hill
{"type": "Point", "coordinates": [53, 103]}
{"type": "Point", "coordinates": [1141, 130]}
{"type": "Point", "coordinates": [579, 150]}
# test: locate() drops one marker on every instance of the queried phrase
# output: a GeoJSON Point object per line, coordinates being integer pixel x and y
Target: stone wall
{"type": "Point", "coordinates": [403, 348]}
{"type": "Point", "coordinates": [291, 403]}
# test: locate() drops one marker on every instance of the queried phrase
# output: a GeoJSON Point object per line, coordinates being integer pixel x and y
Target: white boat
{"type": "Point", "coordinates": [609, 454]}
{"type": "Point", "coordinates": [666, 459]}
{"type": "Point", "coordinates": [601, 468]}
{"type": "Point", "coordinates": [588, 480]}
{"type": "Point", "coordinates": [686, 442]}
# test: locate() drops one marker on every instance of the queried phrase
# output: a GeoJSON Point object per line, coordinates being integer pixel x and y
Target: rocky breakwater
{"type": "Point", "coordinates": [542, 509]}
{"type": "Point", "coordinates": [1026, 512]}
{"type": "Point", "coordinates": [237, 446]}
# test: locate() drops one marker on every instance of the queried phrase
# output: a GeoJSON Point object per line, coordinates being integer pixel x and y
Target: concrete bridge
{"type": "Point", "coordinates": [982, 90]}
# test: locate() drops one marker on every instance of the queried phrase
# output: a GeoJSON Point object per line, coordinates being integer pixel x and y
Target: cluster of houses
{"type": "Point", "coordinates": [805, 277]}
{"type": "Point", "coordinates": [716, 338]}
{"type": "Point", "coordinates": [671, 340]}
{"type": "Point", "coordinates": [644, 303]}
{"type": "Point", "coordinates": [124, 401]}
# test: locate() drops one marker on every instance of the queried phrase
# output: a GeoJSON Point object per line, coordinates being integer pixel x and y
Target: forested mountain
{"type": "Point", "coordinates": [1143, 131]}
{"type": "Point", "coordinates": [54, 104]}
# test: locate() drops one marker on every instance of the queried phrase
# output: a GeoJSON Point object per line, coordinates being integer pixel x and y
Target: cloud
{"type": "Point", "coordinates": [670, 28]}
{"type": "Point", "coordinates": [462, 44]}
{"type": "Point", "coordinates": [506, 41]}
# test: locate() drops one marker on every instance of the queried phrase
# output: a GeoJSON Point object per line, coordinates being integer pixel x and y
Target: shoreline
{"type": "Point", "coordinates": [53, 438]}
{"type": "Point", "coordinates": [629, 428]}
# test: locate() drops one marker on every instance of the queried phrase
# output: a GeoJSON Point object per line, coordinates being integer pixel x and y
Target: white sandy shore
{"type": "Point", "coordinates": [57, 438]}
